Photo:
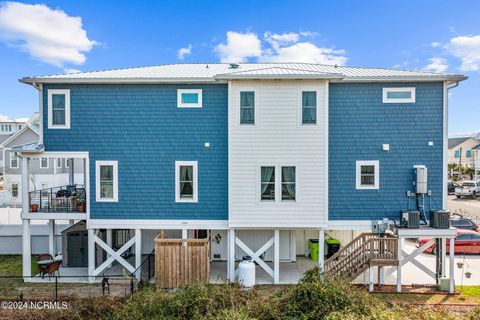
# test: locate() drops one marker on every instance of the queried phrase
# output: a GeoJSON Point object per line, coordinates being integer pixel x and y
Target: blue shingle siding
{"type": "Point", "coordinates": [359, 123]}
{"type": "Point", "coordinates": [141, 127]}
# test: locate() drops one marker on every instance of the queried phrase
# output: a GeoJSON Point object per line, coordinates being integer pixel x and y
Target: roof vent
{"type": "Point", "coordinates": [234, 66]}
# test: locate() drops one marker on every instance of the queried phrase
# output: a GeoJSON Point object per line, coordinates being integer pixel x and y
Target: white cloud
{"type": "Point", "coordinates": [239, 47]}
{"type": "Point", "coordinates": [437, 64]}
{"type": "Point", "coordinates": [435, 44]}
{"type": "Point", "coordinates": [183, 52]}
{"type": "Point", "coordinates": [70, 70]}
{"type": "Point", "coordinates": [285, 47]}
{"type": "Point", "coordinates": [48, 35]}
{"type": "Point", "coordinates": [307, 52]}
{"type": "Point", "coordinates": [467, 49]}
{"type": "Point", "coordinates": [277, 40]}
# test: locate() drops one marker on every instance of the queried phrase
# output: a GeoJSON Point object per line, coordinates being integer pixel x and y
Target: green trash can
{"type": "Point", "coordinates": [313, 246]}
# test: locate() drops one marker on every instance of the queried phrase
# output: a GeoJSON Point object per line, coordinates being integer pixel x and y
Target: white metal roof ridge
{"type": "Point", "coordinates": [207, 72]}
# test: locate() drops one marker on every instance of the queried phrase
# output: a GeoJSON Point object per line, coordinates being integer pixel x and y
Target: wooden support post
{"type": "Point", "coordinates": [91, 253]}
{"type": "Point", "coordinates": [452, 265]}
{"type": "Point", "coordinates": [444, 257]}
{"type": "Point", "coordinates": [51, 237]}
{"type": "Point", "coordinates": [276, 261]}
{"type": "Point", "coordinates": [109, 242]}
{"type": "Point", "coordinates": [321, 248]}
{"type": "Point", "coordinates": [71, 171]}
{"type": "Point", "coordinates": [26, 251]}
{"type": "Point", "coordinates": [138, 253]}
{"type": "Point", "coordinates": [231, 255]}
{"type": "Point", "coordinates": [380, 276]}
{"type": "Point", "coordinates": [184, 234]}
{"type": "Point", "coordinates": [399, 268]}
{"type": "Point", "coordinates": [370, 279]}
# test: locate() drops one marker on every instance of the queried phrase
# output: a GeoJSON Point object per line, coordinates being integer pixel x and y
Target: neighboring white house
{"type": "Point", "coordinates": [45, 173]}
{"type": "Point", "coordinates": [464, 151]}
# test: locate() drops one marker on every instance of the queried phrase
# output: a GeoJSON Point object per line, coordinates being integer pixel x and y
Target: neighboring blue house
{"type": "Point", "coordinates": [262, 155]}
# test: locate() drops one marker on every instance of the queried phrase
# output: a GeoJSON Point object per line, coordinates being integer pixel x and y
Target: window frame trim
{"type": "Point", "coordinates": [300, 107]}
{"type": "Point", "coordinates": [387, 90]}
{"type": "Point", "coordinates": [179, 164]}
{"type": "Point", "coordinates": [48, 163]}
{"type": "Point", "coordinates": [50, 93]}
{"type": "Point", "coordinates": [12, 153]}
{"type": "Point", "coordinates": [358, 174]}
{"type": "Point", "coordinates": [98, 164]}
{"type": "Point", "coordinates": [239, 106]}
{"type": "Point", "coordinates": [281, 184]}
{"type": "Point", "coordinates": [180, 104]}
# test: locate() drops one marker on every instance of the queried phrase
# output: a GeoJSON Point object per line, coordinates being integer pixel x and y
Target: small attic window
{"type": "Point", "coordinates": [189, 98]}
{"type": "Point", "coordinates": [398, 95]}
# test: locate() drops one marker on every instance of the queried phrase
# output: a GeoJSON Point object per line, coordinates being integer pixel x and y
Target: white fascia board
{"type": "Point", "coordinates": [57, 154]}
{"type": "Point", "coordinates": [404, 79]}
{"type": "Point", "coordinates": [117, 80]}
{"type": "Point", "coordinates": [156, 224]}
{"type": "Point", "coordinates": [359, 225]}
{"type": "Point", "coordinates": [16, 134]}
{"type": "Point", "coordinates": [274, 225]}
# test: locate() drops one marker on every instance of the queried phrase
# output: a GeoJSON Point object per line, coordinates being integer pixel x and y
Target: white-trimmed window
{"type": "Point", "coordinates": [13, 160]}
{"type": "Point", "coordinates": [106, 181]}
{"type": "Point", "coordinates": [189, 98]}
{"type": "Point", "coordinates": [309, 107]}
{"type": "Point", "coordinates": [247, 107]}
{"type": "Point", "coordinates": [288, 183]}
{"type": "Point", "coordinates": [267, 183]}
{"type": "Point", "coordinates": [44, 163]}
{"type": "Point", "coordinates": [368, 174]}
{"type": "Point", "coordinates": [186, 181]}
{"type": "Point", "coordinates": [399, 95]}
{"type": "Point", "coordinates": [58, 163]}
{"type": "Point", "coordinates": [14, 190]}
{"type": "Point", "coordinates": [67, 163]}
{"type": "Point", "coordinates": [58, 109]}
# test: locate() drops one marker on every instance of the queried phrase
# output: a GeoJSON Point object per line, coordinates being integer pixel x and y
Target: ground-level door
{"type": "Point", "coordinates": [77, 248]}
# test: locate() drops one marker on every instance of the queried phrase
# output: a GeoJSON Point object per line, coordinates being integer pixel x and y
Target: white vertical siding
{"type": "Point", "coordinates": [277, 138]}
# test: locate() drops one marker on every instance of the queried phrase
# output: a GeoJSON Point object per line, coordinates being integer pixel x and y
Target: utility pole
{"type": "Point", "coordinates": [460, 164]}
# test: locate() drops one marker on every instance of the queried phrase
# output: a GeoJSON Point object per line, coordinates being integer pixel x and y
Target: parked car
{"type": "Point", "coordinates": [461, 222]}
{"type": "Point", "coordinates": [468, 189]}
{"type": "Point", "coordinates": [452, 186]}
{"type": "Point", "coordinates": [466, 241]}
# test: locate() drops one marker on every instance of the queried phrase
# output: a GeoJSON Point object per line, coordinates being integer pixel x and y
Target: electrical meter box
{"type": "Point", "coordinates": [421, 174]}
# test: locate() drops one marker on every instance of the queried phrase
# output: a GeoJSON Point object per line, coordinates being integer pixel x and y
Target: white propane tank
{"type": "Point", "coordinates": [246, 272]}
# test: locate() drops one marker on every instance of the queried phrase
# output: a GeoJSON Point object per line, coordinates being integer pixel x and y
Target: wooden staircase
{"type": "Point", "coordinates": [365, 251]}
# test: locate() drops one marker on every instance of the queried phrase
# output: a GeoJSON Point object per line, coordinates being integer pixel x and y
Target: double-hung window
{"type": "Point", "coordinates": [13, 160]}
{"type": "Point", "coordinates": [247, 107]}
{"type": "Point", "coordinates": [14, 190]}
{"type": "Point", "coordinates": [106, 174]}
{"type": "Point", "coordinates": [59, 162]}
{"type": "Point", "coordinates": [469, 153]}
{"type": "Point", "coordinates": [267, 183]}
{"type": "Point", "coordinates": [58, 109]}
{"type": "Point", "coordinates": [44, 163]}
{"type": "Point", "coordinates": [288, 183]}
{"type": "Point", "coordinates": [367, 174]}
{"type": "Point", "coordinates": [186, 181]}
{"type": "Point", "coordinates": [189, 98]}
{"type": "Point", "coordinates": [399, 95]}
{"type": "Point", "coordinates": [309, 107]}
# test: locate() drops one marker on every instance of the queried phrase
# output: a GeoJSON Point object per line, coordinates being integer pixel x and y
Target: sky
{"type": "Point", "coordinates": [51, 37]}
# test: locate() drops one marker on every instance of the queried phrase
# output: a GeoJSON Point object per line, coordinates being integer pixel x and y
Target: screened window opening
{"type": "Point", "coordinates": [106, 182]}
{"type": "Point", "coordinates": [186, 182]}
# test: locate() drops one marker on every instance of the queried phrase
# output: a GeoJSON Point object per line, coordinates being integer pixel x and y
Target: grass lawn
{"type": "Point", "coordinates": [11, 265]}
{"type": "Point", "coordinates": [469, 295]}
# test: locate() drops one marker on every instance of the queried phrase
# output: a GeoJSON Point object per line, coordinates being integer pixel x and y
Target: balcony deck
{"type": "Point", "coordinates": [63, 202]}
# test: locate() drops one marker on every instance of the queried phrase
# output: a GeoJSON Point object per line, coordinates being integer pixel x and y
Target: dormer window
{"type": "Point", "coordinates": [59, 109]}
{"type": "Point", "coordinates": [189, 98]}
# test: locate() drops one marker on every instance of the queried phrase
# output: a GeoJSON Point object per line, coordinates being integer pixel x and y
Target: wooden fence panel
{"type": "Point", "coordinates": [181, 262]}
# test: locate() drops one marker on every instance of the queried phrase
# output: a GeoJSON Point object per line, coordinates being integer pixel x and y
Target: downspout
{"type": "Point", "coordinates": [39, 87]}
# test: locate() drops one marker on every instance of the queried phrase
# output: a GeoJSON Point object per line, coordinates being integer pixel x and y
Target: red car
{"type": "Point", "coordinates": [466, 241]}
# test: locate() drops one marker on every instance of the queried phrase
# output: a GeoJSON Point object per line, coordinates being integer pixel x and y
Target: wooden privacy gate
{"type": "Point", "coordinates": [181, 262]}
